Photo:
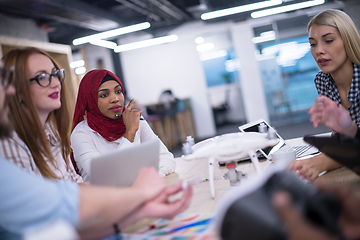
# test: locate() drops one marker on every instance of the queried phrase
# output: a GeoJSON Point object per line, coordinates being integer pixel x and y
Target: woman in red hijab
{"type": "Point", "coordinates": [102, 123]}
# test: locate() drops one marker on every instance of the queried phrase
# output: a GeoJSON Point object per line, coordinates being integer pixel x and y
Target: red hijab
{"type": "Point", "coordinates": [87, 104]}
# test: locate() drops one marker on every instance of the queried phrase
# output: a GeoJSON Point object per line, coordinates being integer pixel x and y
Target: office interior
{"type": "Point", "coordinates": [231, 70]}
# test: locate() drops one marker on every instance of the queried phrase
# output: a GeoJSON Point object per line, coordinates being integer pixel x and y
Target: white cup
{"type": "Point", "coordinates": [283, 157]}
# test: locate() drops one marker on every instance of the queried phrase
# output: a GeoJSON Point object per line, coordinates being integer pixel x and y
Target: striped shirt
{"type": "Point", "coordinates": [15, 150]}
{"type": "Point", "coordinates": [326, 86]}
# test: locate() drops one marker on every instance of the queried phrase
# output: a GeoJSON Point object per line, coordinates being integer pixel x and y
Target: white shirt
{"type": "Point", "coordinates": [87, 144]}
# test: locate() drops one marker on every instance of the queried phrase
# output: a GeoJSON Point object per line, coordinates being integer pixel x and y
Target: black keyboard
{"type": "Point", "coordinates": [301, 149]}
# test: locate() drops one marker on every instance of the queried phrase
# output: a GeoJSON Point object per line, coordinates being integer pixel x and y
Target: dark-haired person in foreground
{"type": "Point", "coordinates": [29, 203]}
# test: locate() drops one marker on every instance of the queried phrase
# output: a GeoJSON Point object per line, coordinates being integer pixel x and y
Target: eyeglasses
{"type": "Point", "coordinates": [6, 76]}
{"type": "Point", "coordinates": [44, 79]}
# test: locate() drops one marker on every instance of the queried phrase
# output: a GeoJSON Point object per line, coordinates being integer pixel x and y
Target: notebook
{"type": "Point", "coordinates": [121, 167]}
{"type": "Point", "coordinates": [301, 150]}
{"type": "Point", "coordinates": [343, 149]}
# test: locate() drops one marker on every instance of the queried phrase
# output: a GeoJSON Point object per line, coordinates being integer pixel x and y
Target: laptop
{"type": "Point", "coordinates": [345, 150]}
{"type": "Point", "coordinates": [301, 150]}
{"type": "Point", "coordinates": [120, 168]}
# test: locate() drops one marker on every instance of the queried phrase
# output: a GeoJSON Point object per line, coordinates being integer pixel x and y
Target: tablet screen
{"type": "Point", "coordinates": [269, 150]}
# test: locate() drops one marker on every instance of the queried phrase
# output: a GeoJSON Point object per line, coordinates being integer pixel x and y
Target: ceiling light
{"type": "Point", "coordinates": [199, 40]}
{"type": "Point", "coordinates": [264, 37]}
{"type": "Point", "coordinates": [146, 43]}
{"type": "Point", "coordinates": [80, 70]}
{"type": "Point", "coordinates": [76, 64]}
{"type": "Point", "coordinates": [204, 47]}
{"type": "Point", "coordinates": [287, 8]}
{"type": "Point", "coordinates": [104, 43]}
{"type": "Point", "coordinates": [239, 9]}
{"type": "Point", "coordinates": [112, 33]}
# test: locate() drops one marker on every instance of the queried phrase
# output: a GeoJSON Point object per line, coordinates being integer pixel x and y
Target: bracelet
{"type": "Point", "coordinates": [116, 228]}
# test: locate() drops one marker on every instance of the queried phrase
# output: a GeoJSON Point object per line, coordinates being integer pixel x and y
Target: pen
{"type": "Point", "coordinates": [167, 223]}
{"type": "Point", "coordinates": [196, 180]}
{"type": "Point", "coordinates": [202, 222]}
{"type": "Point", "coordinates": [119, 115]}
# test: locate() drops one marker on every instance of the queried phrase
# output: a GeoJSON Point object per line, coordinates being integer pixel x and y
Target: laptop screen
{"type": "Point", "coordinates": [255, 128]}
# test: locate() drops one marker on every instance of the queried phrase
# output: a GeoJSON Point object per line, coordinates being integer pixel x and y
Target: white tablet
{"type": "Point", "coordinates": [254, 127]}
{"type": "Point", "coordinates": [120, 168]}
{"type": "Point", "coordinates": [301, 150]}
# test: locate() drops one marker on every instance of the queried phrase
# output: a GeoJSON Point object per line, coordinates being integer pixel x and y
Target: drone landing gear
{"type": "Point", "coordinates": [233, 175]}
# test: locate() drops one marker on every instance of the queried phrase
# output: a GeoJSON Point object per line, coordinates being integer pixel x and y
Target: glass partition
{"type": "Point", "coordinates": [222, 73]}
{"type": "Point", "coordinates": [288, 71]}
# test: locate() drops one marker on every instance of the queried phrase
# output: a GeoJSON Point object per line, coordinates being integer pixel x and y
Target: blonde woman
{"type": "Point", "coordinates": [40, 116]}
{"type": "Point", "coordinates": [335, 46]}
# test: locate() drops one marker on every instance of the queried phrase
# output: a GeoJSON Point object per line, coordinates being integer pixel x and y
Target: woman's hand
{"type": "Point", "coordinates": [161, 207]}
{"type": "Point", "coordinates": [131, 118]}
{"type": "Point", "coordinates": [310, 168]}
{"type": "Point", "coordinates": [332, 115]}
{"type": "Point", "coordinates": [149, 183]}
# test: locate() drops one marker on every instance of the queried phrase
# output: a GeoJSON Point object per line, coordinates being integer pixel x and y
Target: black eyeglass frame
{"type": "Point", "coordinates": [55, 74]}
{"type": "Point", "coordinates": [6, 76]}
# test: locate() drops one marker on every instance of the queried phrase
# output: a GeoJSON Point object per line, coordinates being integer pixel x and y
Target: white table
{"type": "Point", "coordinates": [202, 200]}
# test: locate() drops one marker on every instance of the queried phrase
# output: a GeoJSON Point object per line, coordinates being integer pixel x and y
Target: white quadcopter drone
{"type": "Point", "coordinates": [228, 149]}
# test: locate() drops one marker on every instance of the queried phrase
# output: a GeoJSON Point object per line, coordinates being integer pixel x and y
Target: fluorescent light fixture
{"type": "Point", "coordinates": [264, 37]}
{"type": "Point", "coordinates": [104, 43]}
{"type": "Point", "coordinates": [212, 55]}
{"type": "Point", "coordinates": [286, 54]}
{"type": "Point", "coordinates": [76, 64]}
{"type": "Point", "coordinates": [239, 9]}
{"type": "Point", "coordinates": [287, 8]}
{"type": "Point", "coordinates": [199, 40]}
{"type": "Point", "coordinates": [80, 70]}
{"type": "Point", "coordinates": [146, 43]}
{"type": "Point", "coordinates": [112, 33]}
{"type": "Point", "coordinates": [204, 47]}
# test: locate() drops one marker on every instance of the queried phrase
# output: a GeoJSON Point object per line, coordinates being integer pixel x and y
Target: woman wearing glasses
{"type": "Point", "coordinates": [335, 46]}
{"type": "Point", "coordinates": [40, 141]}
{"type": "Point", "coordinates": [109, 125]}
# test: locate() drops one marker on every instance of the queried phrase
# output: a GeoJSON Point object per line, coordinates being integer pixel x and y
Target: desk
{"type": "Point", "coordinates": [202, 201]}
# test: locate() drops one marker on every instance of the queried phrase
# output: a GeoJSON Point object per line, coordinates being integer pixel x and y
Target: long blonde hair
{"type": "Point", "coordinates": [346, 27]}
{"type": "Point", "coordinates": [28, 126]}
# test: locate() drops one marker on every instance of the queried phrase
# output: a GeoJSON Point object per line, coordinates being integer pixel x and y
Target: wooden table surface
{"type": "Point", "coordinates": [202, 200]}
